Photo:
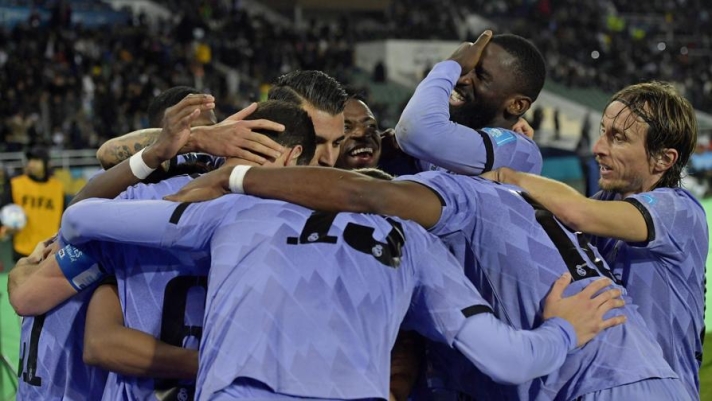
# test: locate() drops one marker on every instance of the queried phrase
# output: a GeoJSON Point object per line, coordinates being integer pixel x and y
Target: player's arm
{"type": "Point", "coordinates": [321, 188]}
{"type": "Point", "coordinates": [513, 356]}
{"type": "Point", "coordinates": [614, 219]}
{"type": "Point", "coordinates": [233, 137]}
{"type": "Point", "coordinates": [425, 131]}
{"type": "Point", "coordinates": [176, 129]}
{"type": "Point", "coordinates": [118, 149]}
{"type": "Point", "coordinates": [36, 287]}
{"type": "Point", "coordinates": [110, 345]}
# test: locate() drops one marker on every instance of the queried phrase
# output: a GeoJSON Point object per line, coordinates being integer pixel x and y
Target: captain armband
{"type": "Point", "coordinates": [79, 269]}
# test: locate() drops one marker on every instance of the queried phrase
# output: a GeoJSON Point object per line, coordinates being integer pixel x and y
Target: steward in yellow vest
{"type": "Point", "coordinates": [41, 196]}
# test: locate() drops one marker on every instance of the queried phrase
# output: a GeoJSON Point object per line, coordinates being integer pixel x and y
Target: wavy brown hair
{"type": "Point", "coordinates": [671, 123]}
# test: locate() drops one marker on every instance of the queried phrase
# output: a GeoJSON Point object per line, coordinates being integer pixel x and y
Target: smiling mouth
{"type": "Point", "coordinates": [457, 98]}
{"type": "Point", "coordinates": [362, 152]}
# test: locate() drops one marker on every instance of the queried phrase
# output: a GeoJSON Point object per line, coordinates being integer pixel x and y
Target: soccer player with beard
{"type": "Point", "coordinates": [461, 116]}
{"type": "Point", "coordinates": [650, 230]}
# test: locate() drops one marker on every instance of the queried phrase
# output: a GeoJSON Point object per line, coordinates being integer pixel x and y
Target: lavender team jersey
{"type": "Point", "coordinates": [513, 252]}
{"type": "Point", "coordinates": [310, 303]}
{"type": "Point", "coordinates": [426, 133]}
{"type": "Point", "coordinates": [665, 275]}
{"type": "Point", "coordinates": [51, 348]}
{"type": "Point", "coordinates": [162, 293]}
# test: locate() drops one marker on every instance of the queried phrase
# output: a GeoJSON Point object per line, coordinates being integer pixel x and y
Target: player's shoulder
{"type": "Point", "coordinates": [669, 198]}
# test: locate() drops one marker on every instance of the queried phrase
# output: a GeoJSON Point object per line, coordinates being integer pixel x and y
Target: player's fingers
{"type": "Point", "coordinates": [262, 144]}
{"type": "Point", "coordinates": [263, 124]}
{"type": "Point", "coordinates": [176, 117]}
{"type": "Point", "coordinates": [614, 321]}
{"type": "Point", "coordinates": [557, 290]}
{"type": "Point", "coordinates": [246, 155]}
{"type": "Point", "coordinates": [610, 304]}
{"type": "Point", "coordinates": [479, 46]}
{"type": "Point", "coordinates": [595, 287]}
{"type": "Point", "coordinates": [242, 114]}
{"type": "Point", "coordinates": [607, 296]}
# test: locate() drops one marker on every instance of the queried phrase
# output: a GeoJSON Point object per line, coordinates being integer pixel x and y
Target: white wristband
{"type": "Point", "coordinates": [139, 168]}
{"type": "Point", "coordinates": [236, 178]}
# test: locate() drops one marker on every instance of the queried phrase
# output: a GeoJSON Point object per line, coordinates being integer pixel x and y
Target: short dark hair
{"type": "Point", "coordinates": [671, 123]}
{"type": "Point", "coordinates": [314, 87]}
{"type": "Point", "coordinates": [298, 126]}
{"type": "Point", "coordinates": [529, 69]}
{"type": "Point", "coordinates": [168, 98]}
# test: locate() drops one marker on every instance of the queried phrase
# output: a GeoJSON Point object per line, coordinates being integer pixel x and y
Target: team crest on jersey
{"type": "Point", "coordinates": [500, 137]}
{"type": "Point", "coordinates": [649, 199]}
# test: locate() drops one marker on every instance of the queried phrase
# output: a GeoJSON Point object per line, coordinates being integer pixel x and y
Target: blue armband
{"type": "Point", "coordinates": [80, 270]}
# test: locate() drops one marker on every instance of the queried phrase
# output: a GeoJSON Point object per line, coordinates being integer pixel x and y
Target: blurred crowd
{"type": "Point", "coordinates": [74, 87]}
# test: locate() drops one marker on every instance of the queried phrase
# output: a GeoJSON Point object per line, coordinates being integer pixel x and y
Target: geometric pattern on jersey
{"type": "Point", "coordinates": [51, 351]}
{"type": "Point", "coordinates": [666, 277]}
{"type": "Point", "coordinates": [162, 293]}
{"type": "Point", "coordinates": [320, 296]}
{"type": "Point", "coordinates": [513, 262]}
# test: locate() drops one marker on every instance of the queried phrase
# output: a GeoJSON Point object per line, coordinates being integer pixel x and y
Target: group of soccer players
{"type": "Point", "coordinates": [524, 291]}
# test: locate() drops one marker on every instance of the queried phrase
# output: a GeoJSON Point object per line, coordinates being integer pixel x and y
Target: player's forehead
{"type": "Point", "coordinates": [356, 111]}
{"type": "Point", "coordinates": [618, 116]}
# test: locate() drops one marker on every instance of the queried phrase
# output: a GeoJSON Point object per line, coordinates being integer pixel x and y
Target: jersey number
{"type": "Point", "coordinates": [174, 331]}
{"type": "Point", "coordinates": [28, 369]}
{"type": "Point", "coordinates": [357, 236]}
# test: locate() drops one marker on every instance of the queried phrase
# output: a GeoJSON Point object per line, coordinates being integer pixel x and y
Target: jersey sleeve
{"type": "Point", "coordinates": [426, 133]}
{"type": "Point", "coordinates": [443, 297]}
{"type": "Point", "coordinates": [675, 220]}
{"type": "Point", "coordinates": [512, 356]}
{"type": "Point", "coordinates": [457, 199]}
{"type": "Point", "coordinates": [151, 223]}
{"type": "Point", "coordinates": [157, 190]}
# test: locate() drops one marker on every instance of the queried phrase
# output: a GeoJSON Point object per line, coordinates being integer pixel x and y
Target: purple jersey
{"type": "Point", "coordinates": [51, 365]}
{"type": "Point", "coordinates": [426, 133]}
{"type": "Point", "coordinates": [310, 303]}
{"type": "Point", "coordinates": [162, 293]}
{"type": "Point", "coordinates": [513, 253]}
{"type": "Point", "coordinates": [665, 274]}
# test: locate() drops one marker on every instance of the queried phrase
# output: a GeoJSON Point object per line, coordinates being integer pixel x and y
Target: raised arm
{"type": "Point", "coordinates": [116, 150]}
{"type": "Point", "coordinates": [110, 345]}
{"type": "Point", "coordinates": [173, 136]}
{"type": "Point", "coordinates": [323, 188]}
{"type": "Point", "coordinates": [426, 132]}
{"type": "Point", "coordinates": [614, 219]}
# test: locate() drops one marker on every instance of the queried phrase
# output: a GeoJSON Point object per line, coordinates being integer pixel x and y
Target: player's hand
{"type": "Point", "coordinates": [206, 187]}
{"type": "Point", "coordinates": [42, 249]}
{"type": "Point", "coordinates": [468, 54]}
{"type": "Point", "coordinates": [583, 310]}
{"type": "Point", "coordinates": [176, 128]}
{"type": "Point", "coordinates": [522, 126]}
{"type": "Point", "coordinates": [235, 137]}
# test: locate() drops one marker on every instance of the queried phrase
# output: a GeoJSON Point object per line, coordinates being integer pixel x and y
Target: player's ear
{"type": "Point", "coordinates": [292, 155]}
{"type": "Point", "coordinates": [518, 105]}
